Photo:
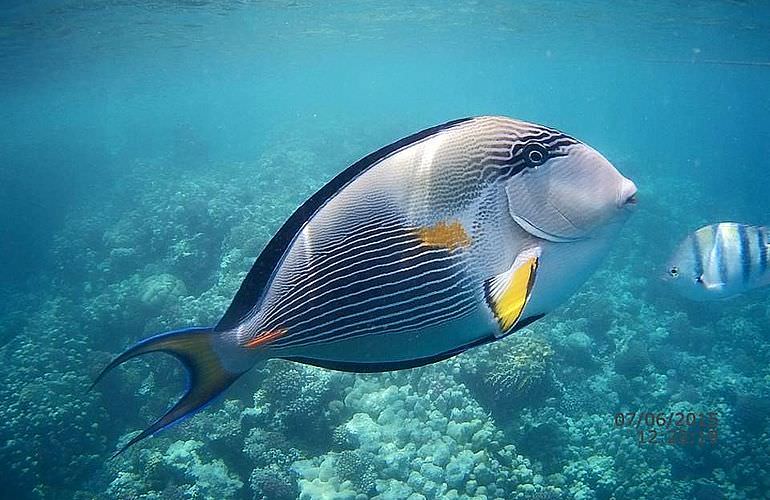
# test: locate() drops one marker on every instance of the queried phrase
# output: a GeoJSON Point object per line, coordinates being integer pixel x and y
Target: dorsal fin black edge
{"type": "Point", "coordinates": [267, 262]}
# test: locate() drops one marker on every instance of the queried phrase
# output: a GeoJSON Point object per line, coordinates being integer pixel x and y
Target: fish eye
{"type": "Point", "coordinates": [535, 154]}
{"type": "Point", "coordinates": [674, 272]}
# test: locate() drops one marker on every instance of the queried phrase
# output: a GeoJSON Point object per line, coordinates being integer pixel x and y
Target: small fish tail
{"type": "Point", "coordinates": [207, 376]}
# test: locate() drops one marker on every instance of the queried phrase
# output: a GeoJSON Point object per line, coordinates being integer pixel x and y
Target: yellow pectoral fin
{"type": "Point", "coordinates": [508, 293]}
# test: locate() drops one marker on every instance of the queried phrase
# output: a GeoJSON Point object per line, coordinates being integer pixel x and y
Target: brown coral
{"type": "Point", "coordinates": [523, 367]}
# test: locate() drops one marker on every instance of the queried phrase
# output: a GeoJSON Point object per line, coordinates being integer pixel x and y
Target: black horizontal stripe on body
{"type": "Point", "coordinates": [340, 301]}
{"type": "Point", "coordinates": [402, 315]}
{"type": "Point", "coordinates": [379, 296]}
{"type": "Point", "coordinates": [320, 275]}
{"type": "Point", "coordinates": [390, 266]}
{"type": "Point", "coordinates": [424, 316]}
{"type": "Point", "coordinates": [360, 238]}
{"type": "Point", "coordinates": [254, 285]}
{"type": "Point", "coordinates": [310, 286]}
{"type": "Point", "coordinates": [380, 289]}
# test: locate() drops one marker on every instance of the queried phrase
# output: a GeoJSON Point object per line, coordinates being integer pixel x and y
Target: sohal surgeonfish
{"type": "Point", "coordinates": [721, 260]}
{"type": "Point", "coordinates": [447, 239]}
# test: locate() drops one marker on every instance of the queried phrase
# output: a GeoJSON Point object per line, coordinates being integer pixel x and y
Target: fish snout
{"type": "Point", "coordinates": [627, 197]}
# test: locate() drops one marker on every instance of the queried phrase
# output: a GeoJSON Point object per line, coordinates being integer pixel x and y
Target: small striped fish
{"type": "Point", "coordinates": [720, 261]}
{"type": "Point", "coordinates": [447, 239]}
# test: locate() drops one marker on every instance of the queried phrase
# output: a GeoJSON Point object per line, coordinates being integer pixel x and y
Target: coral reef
{"type": "Point", "coordinates": [510, 374]}
{"type": "Point", "coordinates": [158, 290]}
{"type": "Point", "coordinates": [530, 416]}
{"type": "Point", "coordinates": [273, 483]}
{"type": "Point", "coordinates": [45, 412]}
{"type": "Point", "coordinates": [522, 368]}
{"type": "Point", "coordinates": [182, 471]}
{"type": "Point", "coordinates": [632, 361]}
{"type": "Point", "coordinates": [417, 434]}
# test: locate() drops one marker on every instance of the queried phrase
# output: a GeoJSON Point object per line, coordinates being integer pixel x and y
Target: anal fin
{"type": "Point", "coordinates": [508, 293]}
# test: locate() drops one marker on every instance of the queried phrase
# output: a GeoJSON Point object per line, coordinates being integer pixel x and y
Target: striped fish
{"type": "Point", "coordinates": [720, 261]}
{"type": "Point", "coordinates": [447, 239]}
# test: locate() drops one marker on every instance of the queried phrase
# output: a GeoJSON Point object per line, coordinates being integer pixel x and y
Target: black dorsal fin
{"type": "Point", "coordinates": [254, 285]}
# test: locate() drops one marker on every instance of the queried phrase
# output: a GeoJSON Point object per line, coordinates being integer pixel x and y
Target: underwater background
{"type": "Point", "coordinates": [149, 150]}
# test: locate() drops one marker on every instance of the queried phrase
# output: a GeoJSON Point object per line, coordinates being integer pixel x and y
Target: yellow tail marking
{"type": "Point", "coordinates": [510, 304]}
{"type": "Point", "coordinates": [263, 338]}
{"type": "Point", "coordinates": [451, 235]}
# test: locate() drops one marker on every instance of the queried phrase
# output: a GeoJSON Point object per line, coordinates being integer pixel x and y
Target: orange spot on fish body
{"type": "Point", "coordinates": [263, 338]}
{"type": "Point", "coordinates": [451, 235]}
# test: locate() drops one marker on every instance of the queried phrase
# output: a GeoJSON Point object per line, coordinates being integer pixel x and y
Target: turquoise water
{"type": "Point", "coordinates": [150, 149]}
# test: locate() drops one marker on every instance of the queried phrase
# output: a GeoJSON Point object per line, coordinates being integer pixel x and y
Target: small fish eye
{"type": "Point", "coordinates": [674, 272]}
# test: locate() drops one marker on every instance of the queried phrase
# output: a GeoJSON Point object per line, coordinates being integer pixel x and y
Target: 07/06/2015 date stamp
{"type": "Point", "coordinates": [671, 428]}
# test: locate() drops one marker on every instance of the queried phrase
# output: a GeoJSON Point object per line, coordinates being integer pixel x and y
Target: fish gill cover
{"type": "Point", "coordinates": [151, 149]}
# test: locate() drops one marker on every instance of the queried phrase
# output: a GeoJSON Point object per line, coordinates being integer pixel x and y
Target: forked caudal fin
{"type": "Point", "coordinates": [207, 377]}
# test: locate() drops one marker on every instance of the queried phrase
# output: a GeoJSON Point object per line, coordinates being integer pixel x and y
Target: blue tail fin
{"type": "Point", "coordinates": [207, 378]}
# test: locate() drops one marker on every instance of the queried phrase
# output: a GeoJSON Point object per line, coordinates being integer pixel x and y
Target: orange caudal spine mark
{"type": "Point", "coordinates": [263, 338]}
{"type": "Point", "coordinates": [451, 235]}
